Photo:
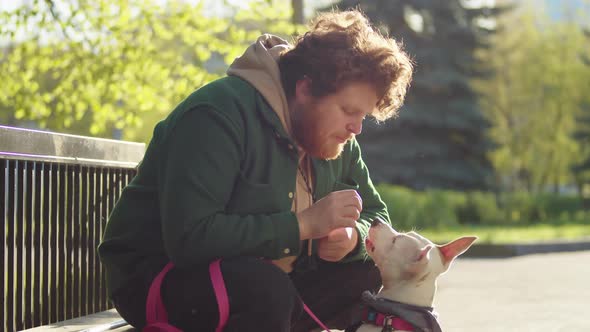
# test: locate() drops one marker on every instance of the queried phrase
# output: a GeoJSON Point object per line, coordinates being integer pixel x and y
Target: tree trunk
{"type": "Point", "coordinates": [298, 17]}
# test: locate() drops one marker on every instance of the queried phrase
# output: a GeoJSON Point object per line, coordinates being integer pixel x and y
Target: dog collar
{"type": "Point", "coordinates": [388, 322]}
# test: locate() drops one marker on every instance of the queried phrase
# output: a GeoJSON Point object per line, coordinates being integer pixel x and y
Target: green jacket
{"type": "Point", "coordinates": [217, 180]}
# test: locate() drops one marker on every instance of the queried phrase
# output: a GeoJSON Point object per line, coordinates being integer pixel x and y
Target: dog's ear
{"type": "Point", "coordinates": [455, 248]}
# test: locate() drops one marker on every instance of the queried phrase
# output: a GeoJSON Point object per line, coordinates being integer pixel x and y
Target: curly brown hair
{"type": "Point", "coordinates": [341, 48]}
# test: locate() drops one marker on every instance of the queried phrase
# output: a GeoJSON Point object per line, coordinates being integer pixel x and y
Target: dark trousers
{"type": "Point", "coordinates": [261, 296]}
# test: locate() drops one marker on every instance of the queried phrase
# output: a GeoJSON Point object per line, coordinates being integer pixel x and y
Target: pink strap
{"type": "Point", "coordinates": [400, 324]}
{"type": "Point", "coordinates": [220, 293]}
{"type": "Point", "coordinates": [396, 322]}
{"type": "Point", "coordinates": [223, 302]}
{"type": "Point", "coordinates": [155, 311]}
{"type": "Point", "coordinates": [157, 317]}
{"type": "Point", "coordinates": [317, 320]}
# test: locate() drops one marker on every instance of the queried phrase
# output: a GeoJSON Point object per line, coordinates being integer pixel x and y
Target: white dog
{"type": "Point", "coordinates": [409, 265]}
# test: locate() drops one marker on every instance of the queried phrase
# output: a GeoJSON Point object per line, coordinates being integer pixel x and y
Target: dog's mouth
{"type": "Point", "coordinates": [369, 245]}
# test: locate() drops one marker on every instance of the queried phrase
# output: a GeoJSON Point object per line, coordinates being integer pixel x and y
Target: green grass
{"type": "Point", "coordinates": [520, 234]}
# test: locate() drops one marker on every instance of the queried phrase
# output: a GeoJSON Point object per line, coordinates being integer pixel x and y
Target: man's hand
{"type": "Point", "coordinates": [337, 244]}
{"type": "Point", "coordinates": [338, 209]}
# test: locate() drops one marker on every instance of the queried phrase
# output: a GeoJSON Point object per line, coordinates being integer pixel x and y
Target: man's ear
{"type": "Point", "coordinates": [303, 89]}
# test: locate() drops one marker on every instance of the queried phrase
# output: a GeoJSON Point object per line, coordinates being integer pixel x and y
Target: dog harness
{"type": "Point", "coordinates": [392, 315]}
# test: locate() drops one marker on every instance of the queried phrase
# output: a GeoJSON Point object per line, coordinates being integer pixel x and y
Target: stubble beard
{"type": "Point", "coordinates": [309, 136]}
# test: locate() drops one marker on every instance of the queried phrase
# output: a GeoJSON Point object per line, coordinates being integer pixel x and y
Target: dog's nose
{"type": "Point", "coordinates": [376, 222]}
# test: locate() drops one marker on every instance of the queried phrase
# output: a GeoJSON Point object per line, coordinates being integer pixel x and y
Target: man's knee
{"type": "Point", "coordinates": [260, 295]}
{"type": "Point", "coordinates": [258, 282]}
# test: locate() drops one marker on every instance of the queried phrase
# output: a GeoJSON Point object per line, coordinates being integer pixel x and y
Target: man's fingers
{"type": "Point", "coordinates": [347, 197]}
{"type": "Point", "coordinates": [340, 234]}
{"type": "Point", "coordinates": [355, 200]}
{"type": "Point", "coordinates": [346, 222]}
{"type": "Point", "coordinates": [351, 211]}
{"type": "Point", "coordinates": [348, 193]}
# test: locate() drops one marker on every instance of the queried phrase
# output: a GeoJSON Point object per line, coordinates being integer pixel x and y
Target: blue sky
{"type": "Point", "coordinates": [568, 9]}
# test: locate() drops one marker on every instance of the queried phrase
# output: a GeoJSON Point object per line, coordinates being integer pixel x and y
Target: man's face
{"type": "Point", "coordinates": [322, 125]}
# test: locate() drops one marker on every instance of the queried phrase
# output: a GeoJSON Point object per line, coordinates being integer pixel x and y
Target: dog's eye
{"type": "Point", "coordinates": [394, 238]}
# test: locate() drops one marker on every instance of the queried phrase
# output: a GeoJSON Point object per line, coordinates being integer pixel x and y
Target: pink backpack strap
{"type": "Point", "coordinates": [314, 317]}
{"type": "Point", "coordinates": [156, 315]}
{"type": "Point", "coordinates": [220, 293]}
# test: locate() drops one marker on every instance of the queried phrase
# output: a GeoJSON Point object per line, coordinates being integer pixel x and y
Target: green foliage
{"type": "Point", "coordinates": [91, 67]}
{"type": "Point", "coordinates": [511, 234]}
{"type": "Point", "coordinates": [410, 209]}
{"type": "Point", "coordinates": [437, 209]}
{"type": "Point", "coordinates": [520, 208]}
{"type": "Point", "coordinates": [534, 98]}
{"type": "Point", "coordinates": [581, 134]}
{"type": "Point", "coordinates": [480, 208]}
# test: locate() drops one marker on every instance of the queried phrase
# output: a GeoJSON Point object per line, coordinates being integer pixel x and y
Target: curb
{"type": "Point", "coordinates": [487, 250]}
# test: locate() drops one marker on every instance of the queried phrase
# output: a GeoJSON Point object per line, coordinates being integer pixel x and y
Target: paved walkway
{"type": "Point", "coordinates": [540, 292]}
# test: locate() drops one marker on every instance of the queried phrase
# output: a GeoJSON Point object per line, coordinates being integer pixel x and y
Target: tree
{"type": "Point", "coordinates": [298, 17]}
{"type": "Point", "coordinates": [94, 67]}
{"type": "Point", "coordinates": [581, 170]}
{"type": "Point", "coordinates": [439, 139]}
{"type": "Point", "coordinates": [533, 98]}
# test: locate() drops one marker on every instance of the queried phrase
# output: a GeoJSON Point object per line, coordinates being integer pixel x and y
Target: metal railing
{"type": "Point", "coordinates": [56, 191]}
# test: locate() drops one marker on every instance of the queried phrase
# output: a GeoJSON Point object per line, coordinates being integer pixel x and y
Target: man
{"type": "Point", "coordinates": [261, 167]}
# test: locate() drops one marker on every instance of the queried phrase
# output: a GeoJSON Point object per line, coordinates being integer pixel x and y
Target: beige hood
{"type": "Point", "coordinates": [258, 65]}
